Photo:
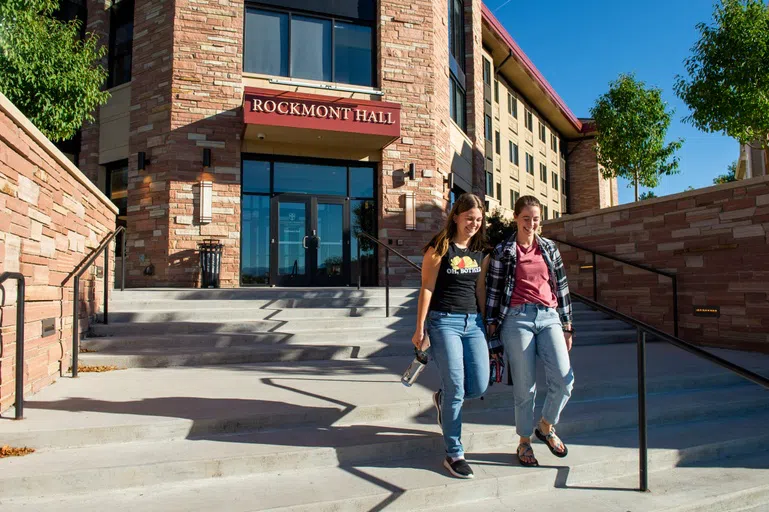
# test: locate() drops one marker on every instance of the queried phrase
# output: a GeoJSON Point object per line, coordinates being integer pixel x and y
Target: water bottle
{"type": "Point", "coordinates": [415, 368]}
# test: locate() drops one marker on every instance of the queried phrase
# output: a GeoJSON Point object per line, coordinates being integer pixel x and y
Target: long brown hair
{"type": "Point", "coordinates": [440, 242]}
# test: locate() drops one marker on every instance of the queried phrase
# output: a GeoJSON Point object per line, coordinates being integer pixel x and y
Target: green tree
{"type": "Point", "coordinates": [727, 88]}
{"type": "Point", "coordinates": [731, 175]}
{"type": "Point", "coordinates": [498, 228]}
{"type": "Point", "coordinates": [630, 142]}
{"type": "Point", "coordinates": [46, 70]}
{"type": "Point", "coordinates": [647, 195]}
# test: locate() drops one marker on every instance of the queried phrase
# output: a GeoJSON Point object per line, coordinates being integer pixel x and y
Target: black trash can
{"type": "Point", "coordinates": [210, 263]}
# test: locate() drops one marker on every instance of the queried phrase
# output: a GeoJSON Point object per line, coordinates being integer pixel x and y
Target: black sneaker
{"type": "Point", "coordinates": [459, 468]}
{"type": "Point", "coordinates": [437, 397]}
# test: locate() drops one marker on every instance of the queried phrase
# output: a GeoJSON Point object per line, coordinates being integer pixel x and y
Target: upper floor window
{"type": "Point", "coordinates": [554, 176]}
{"type": "Point", "coordinates": [497, 142]}
{"type": "Point", "coordinates": [553, 142]}
{"type": "Point", "coordinates": [512, 105]}
{"type": "Point", "coordinates": [544, 212]}
{"type": "Point", "coordinates": [315, 48]}
{"type": "Point", "coordinates": [69, 10]}
{"type": "Point", "coordinates": [530, 164]}
{"type": "Point", "coordinates": [543, 173]}
{"type": "Point", "coordinates": [457, 103]}
{"type": "Point", "coordinates": [457, 32]}
{"type": "Point", "coordinates": [486, 72]}
{"type": "Point", "coordinates": [496, 91]}
{"type": "Point", "coordinates": [121, 38]}
{"type": "Point", "coordinates": [487, 127]}
{"type": "Point", "coordinates": [528, 120]}
{"type": "Point", "coordinates": [489, 186]}
{"type": "Point", "coordinates": [542, 132]}
{"type": "Point", "coordinates": [513, 153]}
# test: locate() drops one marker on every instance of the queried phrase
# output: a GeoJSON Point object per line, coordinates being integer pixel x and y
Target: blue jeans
{"type": "Point", "coordinates": [458, 347]}
{"type": "Point", "coordinates": [528, 331]}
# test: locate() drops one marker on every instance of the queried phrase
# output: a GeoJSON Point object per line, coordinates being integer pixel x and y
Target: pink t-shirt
{"type": "Point", "coordinates": [532, 278]}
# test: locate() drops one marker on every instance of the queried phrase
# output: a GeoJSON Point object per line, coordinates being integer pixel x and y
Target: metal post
{"type": "Point", "coordinates": [75, 324]}
{"type": "Point", "coordinates": [106, 284]}
{"type": "Point", "coordinates": [359, 263]}
{"type": "Point", "coordinates": [387, 283]}
{"type": "Point", "coordinates": [20, 286]}
{"type": "Point", "coordinates": [595, 280]}
{"type": "Point", "coordinates": [122, 267]}
{"type": "Point", "coordinates": [675, 306]}
{"type": "Point", "coordinates": [642, 439]}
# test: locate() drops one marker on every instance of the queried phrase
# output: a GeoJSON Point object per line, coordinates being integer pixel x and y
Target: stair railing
{"type": "Point", "coordinates": [20, 293]}
{"type": "Point", "coordinates": [80, 270]}
{"type": "Point", "coordinates": [363, 235]}
{"type": "Point", "coordinates": [673, 279]}
{"type": "Point", "coordinates": [644, 329]}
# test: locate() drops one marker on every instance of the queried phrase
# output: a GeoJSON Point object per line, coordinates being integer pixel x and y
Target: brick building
{"type": "Point", "coordinates": [282, 128]}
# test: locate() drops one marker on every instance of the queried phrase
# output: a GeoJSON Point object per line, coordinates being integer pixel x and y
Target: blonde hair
{"type": "Point", "coordinates": [440, 242]}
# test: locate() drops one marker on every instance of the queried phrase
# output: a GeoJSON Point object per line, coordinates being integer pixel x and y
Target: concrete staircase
{"type": "Point", "coordinates": [160, 328]}
{"type": "Point", "coordinates": [322, 423]}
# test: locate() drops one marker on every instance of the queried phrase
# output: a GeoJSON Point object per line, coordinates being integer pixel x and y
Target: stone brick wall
{"type": "Point", "coordinates": [716, 241]}
{"type": "Point", "coordinates": [52, 218]}
{"type": "Point", "coordinates": [588, 189]}
{"type": "Point", "coordinates": [413, 71]}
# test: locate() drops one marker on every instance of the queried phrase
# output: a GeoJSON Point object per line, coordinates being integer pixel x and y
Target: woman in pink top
{"type": "Point", "coordinates": [528, 305]}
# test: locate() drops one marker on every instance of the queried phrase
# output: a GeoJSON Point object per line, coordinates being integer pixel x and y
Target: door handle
{"type": "Point", "coordinates": [304, 242]}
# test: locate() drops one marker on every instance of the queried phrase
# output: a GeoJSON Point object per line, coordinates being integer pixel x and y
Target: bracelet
{"type": "Point", "coordinates": [570, 331]}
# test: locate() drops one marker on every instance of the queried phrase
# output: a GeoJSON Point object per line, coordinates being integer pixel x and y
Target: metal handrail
{"type": "Point", "coordinates": [20, 292]}
{"type": "Point", "coordinates": [643, 330]}
{"type": "Point", "coordinates": [416, 267]}
{"type": "Point", "coordinates": [84, 265]}
{"type": "Point", "coordinates": [672, 276]}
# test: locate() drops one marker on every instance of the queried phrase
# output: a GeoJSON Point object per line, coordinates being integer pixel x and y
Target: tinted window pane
{"type": "Point", "coordinates": [363, 219]}
{"type": "Point", "coordinates": [352, 57]}
{"type": "Point", "coordinates": [361, 182]}
{"type": "Point", "coordinates": [266, 43]}
{"type": "Point", "coordinates": [256, 176]}
{"type": "Point", "coordinates": [255, 260]}
{"type": "Point", "coordinates": [310, 179]}
{"type": "Point", "coordinates": [311, 48]}
{"type": "Point", "coordinates": [292, 222]}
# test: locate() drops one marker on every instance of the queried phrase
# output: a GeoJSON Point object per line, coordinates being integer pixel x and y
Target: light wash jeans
{"type": "Point", "coordinates": [528, 331]}
{"type": "Point", "coordinates": [458, 347]}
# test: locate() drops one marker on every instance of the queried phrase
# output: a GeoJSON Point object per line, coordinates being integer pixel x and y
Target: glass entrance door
{"type": "Point", "coordinates": [311, 245]}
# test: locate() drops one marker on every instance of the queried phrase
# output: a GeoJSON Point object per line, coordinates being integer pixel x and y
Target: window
{"type": "Point", "coordinates": [556, 215]}
{"type": "Point", "coordinates": [499, 192]}
{"type": "Point", "coordinates": [121, 36]}
{"type": "Point", "coordinates": [457, 32]}
{"type": "Point", "coordinates": [487, 128]}
{"type": "Point", "coordinates": [489, 185]}
{"type": "Point", "coordinates": [457, 103]}
{"type": "Point", "coordinates": [529, 164]}
{"type": "Point", "coordinates": [513, 153]}
{"type": "Point", "coordinates": [555, 180]}
{"type": "Point", "coordinates": [544, 211]}
{"type": "Point", "coordinates": [553, 142]}
{"type": "Point", "coordinates": [514, 196]}
{"type": "Point", "coordinates": [528, 120]}
{"type": "Point", "coordinates": [563, 185]}
{"type": "Point", "coordinates": [542, 132]}
{"type": "Point", "coordinates": [543, 173]}
{"type": "Point", "coordinates": [486, 72]}
{"type": "Point", "coordinates": [512, 105]}
{"type": "Point", "coordinates": [496, 91]}
{"type": "Point", "coordinates": [315, 48]}
{"type": "Point", "coordinates": [497, 142]}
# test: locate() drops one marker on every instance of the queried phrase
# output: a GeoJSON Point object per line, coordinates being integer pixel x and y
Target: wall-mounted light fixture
{"type": "Point", "coordinates": [142, 161]}
{"type": "Point", "coordinates": [206, 196]}
{"type": "Point", "coordinates": [411, 211]}
{"type": "Point", "coordinates": [412, 171]}
{"type": "Point", "coordinates": [450, 180]}
{"type": "Point", "coordinates": [206, 157]}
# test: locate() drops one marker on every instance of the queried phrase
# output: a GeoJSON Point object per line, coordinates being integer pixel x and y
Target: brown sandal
{"type": "Point", "coordinates": [526, 452]}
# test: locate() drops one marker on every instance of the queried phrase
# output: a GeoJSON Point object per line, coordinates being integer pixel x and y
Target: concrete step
{"type": "Point", "coordinates": [412, 483]}
{"type": "Point", "coordinates": [173, 403]}
{"type": "Point", "coordinates": [727, 485]}
{"type": "Point", "coordinates": [267, 294]}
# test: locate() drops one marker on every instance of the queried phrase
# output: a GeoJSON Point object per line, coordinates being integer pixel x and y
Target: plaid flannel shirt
{"type": "Point", "coordinates": [500, 281]}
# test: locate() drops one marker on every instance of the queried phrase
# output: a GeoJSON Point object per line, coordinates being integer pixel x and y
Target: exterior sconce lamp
{"type": "Point", "coordinates": [450, 180]}
{"type": "Point", "coordinates": [206, 193]}
{"type": "Point", "coordinates": [142, 161]}
{"type": "Point", "coordinates": [411, 211]}
{"type": "Point", "coordinates": [206, 157]}
{"type": "Point", "coordinates": [412, 171]}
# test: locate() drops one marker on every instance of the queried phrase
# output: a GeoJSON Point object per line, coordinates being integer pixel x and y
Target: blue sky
{"type": "Point", "coordinates": [580, 46]}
